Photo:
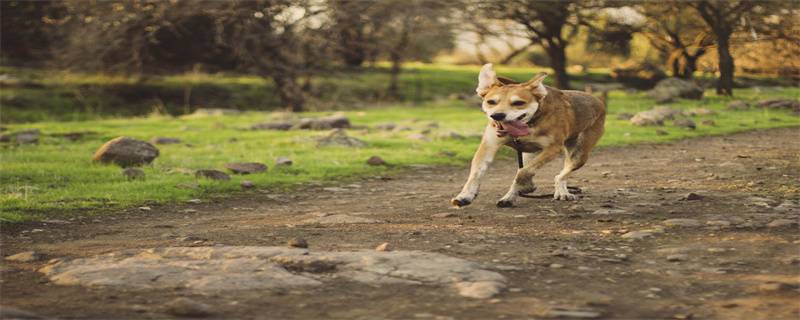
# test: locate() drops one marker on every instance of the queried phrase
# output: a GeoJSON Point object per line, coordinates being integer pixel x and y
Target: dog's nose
{"type": "Point", "coordinates": [498, 116]}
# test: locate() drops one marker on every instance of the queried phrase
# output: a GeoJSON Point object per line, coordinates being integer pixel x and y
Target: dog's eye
{"type": "Point", "coordinates": [518, 103]}
{"type": "Point", "coordinates": [491, 102]}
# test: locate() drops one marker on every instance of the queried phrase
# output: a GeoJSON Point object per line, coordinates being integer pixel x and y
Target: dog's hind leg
{"type": "Point", "coordinates": [576, 153]}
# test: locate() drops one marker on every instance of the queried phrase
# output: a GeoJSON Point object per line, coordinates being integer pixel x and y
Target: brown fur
{"type": "Point", "coordinates": [566, 121]}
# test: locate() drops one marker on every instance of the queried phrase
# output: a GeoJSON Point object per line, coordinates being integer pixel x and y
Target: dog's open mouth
{"type": "Point", "coordinates": [515, 128]}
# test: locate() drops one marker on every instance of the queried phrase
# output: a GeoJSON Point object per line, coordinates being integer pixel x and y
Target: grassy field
{"type": "Point", "coordinates": [57, 178]}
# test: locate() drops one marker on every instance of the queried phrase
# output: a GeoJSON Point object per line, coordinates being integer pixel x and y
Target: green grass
{"type": "Point", "coordinates": [56, 177]}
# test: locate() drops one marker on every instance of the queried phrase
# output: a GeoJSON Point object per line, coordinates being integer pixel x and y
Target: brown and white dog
{"type": "Point", "coordinates": [538, 120]}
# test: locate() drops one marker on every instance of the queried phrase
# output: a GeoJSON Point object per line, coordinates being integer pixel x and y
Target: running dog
{"type": "Point", "coordinates": [538, 120]}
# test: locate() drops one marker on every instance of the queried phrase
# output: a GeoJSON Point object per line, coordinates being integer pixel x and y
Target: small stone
{"type": "Point", "coordinates": [194, 201]}
{"type": "Point", "coordinates": [781, 223]}
{"type": "Point", "coordinates": [339, 137]}
{"type": "Point", "coordinates": [556, 265]}
{"type": "Point", "coordinates": [133, 174]}
{"type": "Point", "coordinates": [691, 196]}
{"type": "Point", "coordinates": [212, 174]}
{"type": "Point", "coordinates": [145, 208]}
{"type": "Point", "coordinates": [444, 215]}
{"type": "Point", "coordinates": [247, 184]}
{"type": "Point", "coordinates": [681, 223]}
{"type": "Point", "coordinates": [376, 161]}
{"type": "Point", "coordinates": [662, 132]}
{"type": "Point", "coordinates": [677, 257]}
{"type": "Point", "coordinates": [185, 307]}
{"type": "Point", "coordinates": [297, 243]}
{"type": "Point", "coordinates": [638, 235]}
{"type": "Point", "coordinates": [478, 290]}
{"type": "Point", "coordinates": [165, 140]}
{"type": "Point", "coordinates": [246, 167]}
{"type": "Point", "coordinates": [27, 256]}
{"type": "Point", "coordinates": [384, 247]}
{"type": "Point", "coordinates": [283, 161]}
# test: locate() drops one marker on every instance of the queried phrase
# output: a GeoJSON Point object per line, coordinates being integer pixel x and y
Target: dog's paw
{"type": "Point", "coordinates": [564, 196]}
{"type": "Point", "coordinates": [460, 202]}
{"type": "Point", "coordinates": [505, 203]}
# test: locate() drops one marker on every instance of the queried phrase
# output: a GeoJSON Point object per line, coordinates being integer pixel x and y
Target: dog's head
{"type": "Point", "coordinates": [511, 105]}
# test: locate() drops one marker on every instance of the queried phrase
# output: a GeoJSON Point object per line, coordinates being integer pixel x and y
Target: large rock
{"type": "Point", "coordinates": [338, 137]}
{"type": "Point", "coordinates": [212, 174]}
{"type": "Point", "coordinates": [22, 137]}
{"type": "Point", "coordinates": [126, 152]}
{"type": "Point", "coordinates": [638, 75]}
{"type": "Point", "coordinates": [246, 167]}
{"type": "Point", "coordinates": [227, 268]}
{"type": "Point", "coordinates": [324, 123]}
{"type": "Point", "coordinates": [655, 116]}
{"type": "Point", "coordinates": [672, 88]}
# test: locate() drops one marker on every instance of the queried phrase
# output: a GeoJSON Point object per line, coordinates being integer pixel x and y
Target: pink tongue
{"type": "Point", "coordinates": [516, 128]}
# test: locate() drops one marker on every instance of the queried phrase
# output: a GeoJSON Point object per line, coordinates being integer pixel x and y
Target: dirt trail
{"type": "Point", "coordinates": [737, 257]}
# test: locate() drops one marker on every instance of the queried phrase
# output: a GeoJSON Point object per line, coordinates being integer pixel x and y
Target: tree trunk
{"type": "Point", "coordinates": [290, 93]}
{"type": "Point", "coordinates": [558, 62]}
{"type": "Point", "coordinates": [725, 83]}
{"type": "Point", "coordinates": [397, 63]}
{"type": "Point", "coordinates": [689, 66]}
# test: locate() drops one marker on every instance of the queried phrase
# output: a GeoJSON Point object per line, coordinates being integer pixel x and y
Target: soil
{"type": "Point", "coordinates": [561, 259]}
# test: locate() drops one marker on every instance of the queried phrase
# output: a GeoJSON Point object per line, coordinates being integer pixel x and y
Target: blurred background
{"type": "Point", "coordinates": [77, 60]}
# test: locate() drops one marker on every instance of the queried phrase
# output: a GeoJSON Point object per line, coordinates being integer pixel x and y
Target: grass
{"type": "Point", "coordinates": [57, 178]}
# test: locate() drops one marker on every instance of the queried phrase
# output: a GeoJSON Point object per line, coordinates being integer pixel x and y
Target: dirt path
{"type": "Point", "coordinates": [737, 257]}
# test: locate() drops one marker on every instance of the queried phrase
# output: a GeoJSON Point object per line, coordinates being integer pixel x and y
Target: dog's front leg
{"type": "Point", "coordinates": [490, 143]}
{"type": "Point", "coordinates": [524, 178]}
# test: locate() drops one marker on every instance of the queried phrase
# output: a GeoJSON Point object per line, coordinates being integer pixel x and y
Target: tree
{"type": "Point", "coordinates": [356, 25]}
{"type": "Point", "coordinates": [551, 25]}
{"type": "Point", "coordinates": [679, 34]}
{"type": "Point", "coordinates": [26, 30]}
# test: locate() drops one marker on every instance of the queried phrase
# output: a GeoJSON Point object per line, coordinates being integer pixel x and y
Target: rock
{"type": "Point", "coordinates": [624, 116]}
{"type": "Point", "coordinates": [638, 235]}
{"type": "Point", "coordinates": [246, 167]}
{"type": "Point", "coordinates": [738, 105]}
{"type": "Point", "coordinates": [386, 126]}
{"type": "Point", "coordinates": [788, 104]}
{"type": "Point", "coordinates": [691, 196]}
{"type": "Point", "coordinates": [185, 307]}
{"type": "Point", "coordinates": [772, 286]}
{"type": "Point", "coordinates": [133, 174]}
{"type": "Point", "coordinates": [418, 136]}
{"type": "Point", "coordinates": [444, 215]}
{"type": "Point", "coordinates": [556, 312]}
{"type": "Point", "coordinates": [338, 137]}
{"type": "Point", "coordinates": [673, 88]}
{"type": "Point", "coordinates": [22, 137]}
{"type": "Point", "coordinates": [655, 116]}
{"type": "Point", "coordinates": [324, 123]}
{"type": "Point", "coordinates": [699, 112]}
{"type": "Point", "coordinates": [126, 152]}
{"type": "Point", "coordinates": [376, 161]}
{"type": "Point", "coordinates": [212, 174]}
{"type": "Point", "coordinates": [662, 132]}
{"type": "Point", "coordinates": [638, 75]}
{"type": "Point", "coordinates": [283, 161]}
{"type": "Point", "coordinates": [338, 219]}
{"type": "Point", "coordinates": [165, 140]}
{"type": "Point", "coordinates": [684, 123]}
{"type": "Point", "coordinates": [214, 112]}
{"type": "Point", "coordinates": [216, 269]}
{"type": "Point", "coordinates": [681, 223]}
{"type": "Point", "coordinates": [194, 201]}
{"type": "Point", "coordinates": [709, 122]}
{"type": "Point", "coordinates": [27, 256]}
{"type": "Point", "coordinates": [247, 184]}
{"type": "Point", "coordinates": [782, 223]}
{"type": "Point", "coordinates": [610, 211]}
{"type": "Point", "coordinates": [297, 243]}
{"type": "Point", "coordinates": [478, 290]}
{"type": "Point", "coordinates": [145, 208]}
{"type": "Point", "coordinates": [280, 126]}
{"type": "Point", "coordinates": [384, 247]}
{"type": "Point", "coordinates": [9, 313]}
{"type": "Point", "coordinates": [677, 257]}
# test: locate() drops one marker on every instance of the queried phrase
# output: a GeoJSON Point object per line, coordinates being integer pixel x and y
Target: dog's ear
{"type": "Point", "coordinates": [486, 80]}
{"type": "Point", "coordinates": [536, 85]}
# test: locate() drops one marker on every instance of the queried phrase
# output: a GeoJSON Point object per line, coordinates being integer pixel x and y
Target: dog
{"type": "Point", "coordinates": [538, 120]}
